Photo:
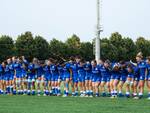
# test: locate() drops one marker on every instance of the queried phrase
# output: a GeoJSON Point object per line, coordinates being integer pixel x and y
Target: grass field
{"type": "Point", "coordinates": [35, 104]}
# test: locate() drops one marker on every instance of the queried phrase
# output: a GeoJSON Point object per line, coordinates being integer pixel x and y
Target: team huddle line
{"type": "Point", "coordinates": [78, 77]}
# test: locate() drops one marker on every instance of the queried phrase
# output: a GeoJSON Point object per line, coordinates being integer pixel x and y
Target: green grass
{"type": "Point", "coordinates": [35, 104]}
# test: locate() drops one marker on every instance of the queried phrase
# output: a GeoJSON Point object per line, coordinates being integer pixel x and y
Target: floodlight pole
{"type": "Point", "coordinates": [98, 31]}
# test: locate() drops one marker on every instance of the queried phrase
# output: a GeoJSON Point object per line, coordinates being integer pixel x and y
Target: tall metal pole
{"type": "Point", "coordinates": [97, 41]}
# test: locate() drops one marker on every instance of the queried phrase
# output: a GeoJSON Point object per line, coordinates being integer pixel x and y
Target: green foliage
{"type": "Point", "coordinates": [143, 45]}
{"type": "Point", "coordinates": [25, 45]}
{"type": "Point", "coordinates": [74, 45]}
{"type": "Point", "coordinates": [86, 51]}
{"type": "Point", "coordinates": [117, 41]}
{"type": "Point", "coordinates": [73, 42]}
{"type": "Point", "coordinates": [58, 49]}
{"type": "Point", "coordinates": [108, 50]}
{"type": "Point", "coordinates": [130, 49]}
{"type": "Point", "coordinates": [6, 47]}
{"type": "Point", "coordinates": [41, 47]}
{"type": "Point", "coordinates": [115, 48]}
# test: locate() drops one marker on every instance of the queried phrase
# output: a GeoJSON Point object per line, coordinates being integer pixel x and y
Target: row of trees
{"type": "Point", "coordinates": [114, 48]}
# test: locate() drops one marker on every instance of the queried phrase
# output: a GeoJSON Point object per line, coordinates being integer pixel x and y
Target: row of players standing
{"type": "Point", "coordinates": [18, 76]}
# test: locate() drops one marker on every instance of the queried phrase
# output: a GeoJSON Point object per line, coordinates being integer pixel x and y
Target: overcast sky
{"type": "Point", "coordinates": [62, 18]}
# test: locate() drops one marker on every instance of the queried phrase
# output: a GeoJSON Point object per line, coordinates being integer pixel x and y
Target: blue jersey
{"type": "Point", "coordinates": [11, 68]}
{"type": "Point", "coordinates": [39, 71]}
{"type": "Point", "coordinates": [100, 66]}
{"type": "Point", "coordinates": [142, 68]}
{"type": "Point", "coordinates": [60, 70]}
{"type": "Point", "coordinates": [148, 72]}
{"type": "Point", "coordinates": [105, 72]}
{"type": "Point", "coordinates": [96, 71]}
{"type": "Point", "coordinates": [31, 73]}
{"type": "Point", "coordinates": [31, 70]}
{"type": "Point", "coordinates": [148, 69]}
{"type": "Point", "coordinates": [136, 71]}
{"type": "Point", "coordinates": [74, 68]}
{"type": "Point", "coordinates": [24, 71]}
{"type": "Point", "coordinates": [66, 70]}
{"type": "Point", "coordinates": [18, 69]}
{"type": "Point", "coordinates": [115, 74]}
{"type": "Point", "coordinates": [124, 74]}
{"type": "Point", "coordinates": [81, 71]}
{"type": "Point", "coordinates": [96, 75]}
{"type": "Point", "coordinates": [7, 70]}
{"type": "Point", "coordinates": [130, 75]}
{"type": "Point", "coordinates": [1, 72]}
{"type": "Point", "coordinates": [88, 69]}
{"type": "Point", "coordinates": [24, 67]}
{"type": "Point", "coordinates": [1, 69]}
{"type": "Point", "coordinates": [47, 70]}
{"type": "Point", "coordinates": [54, 70]}
{"type": "Point", "coordinates": [132, 70]}
{"type": "Point", "coordinates": [6, 73]}
{"type": "Point", "coordinates": [47, 73]}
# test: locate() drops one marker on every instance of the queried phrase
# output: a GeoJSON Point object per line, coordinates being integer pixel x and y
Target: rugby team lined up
{"type": "Point", "coordinates": [75, 77]}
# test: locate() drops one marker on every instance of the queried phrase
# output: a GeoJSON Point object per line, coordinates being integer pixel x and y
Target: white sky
{"type": "Point", "coordinates": [62, 18]}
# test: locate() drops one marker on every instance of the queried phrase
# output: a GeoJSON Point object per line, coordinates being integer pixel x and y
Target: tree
{"type": "Point", "coordinates": [108, 50]}
{"type": "Point", "coordinates": [6, 47]}
{"type": "Point", "coordinates": [125, 47]}
{"type": "Point", "coordinates": [25, 45]}
{"type": "Point", "coordinates": [58, 49]}
{"type": "Point", "coordinates": [86, 51]}
{"type": "Point", "coordinates": [114, 48]}
{"type": "Point", "coordinates": [74, 45]}
{"type": "Point", "coordinates": [41, 47]}
{"type": "Point", "coordinates": [74, 41]}
{"type": "Point", "coordinates": [130, 49]}
{"type": "Point", "coordinates": [143, 46]}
